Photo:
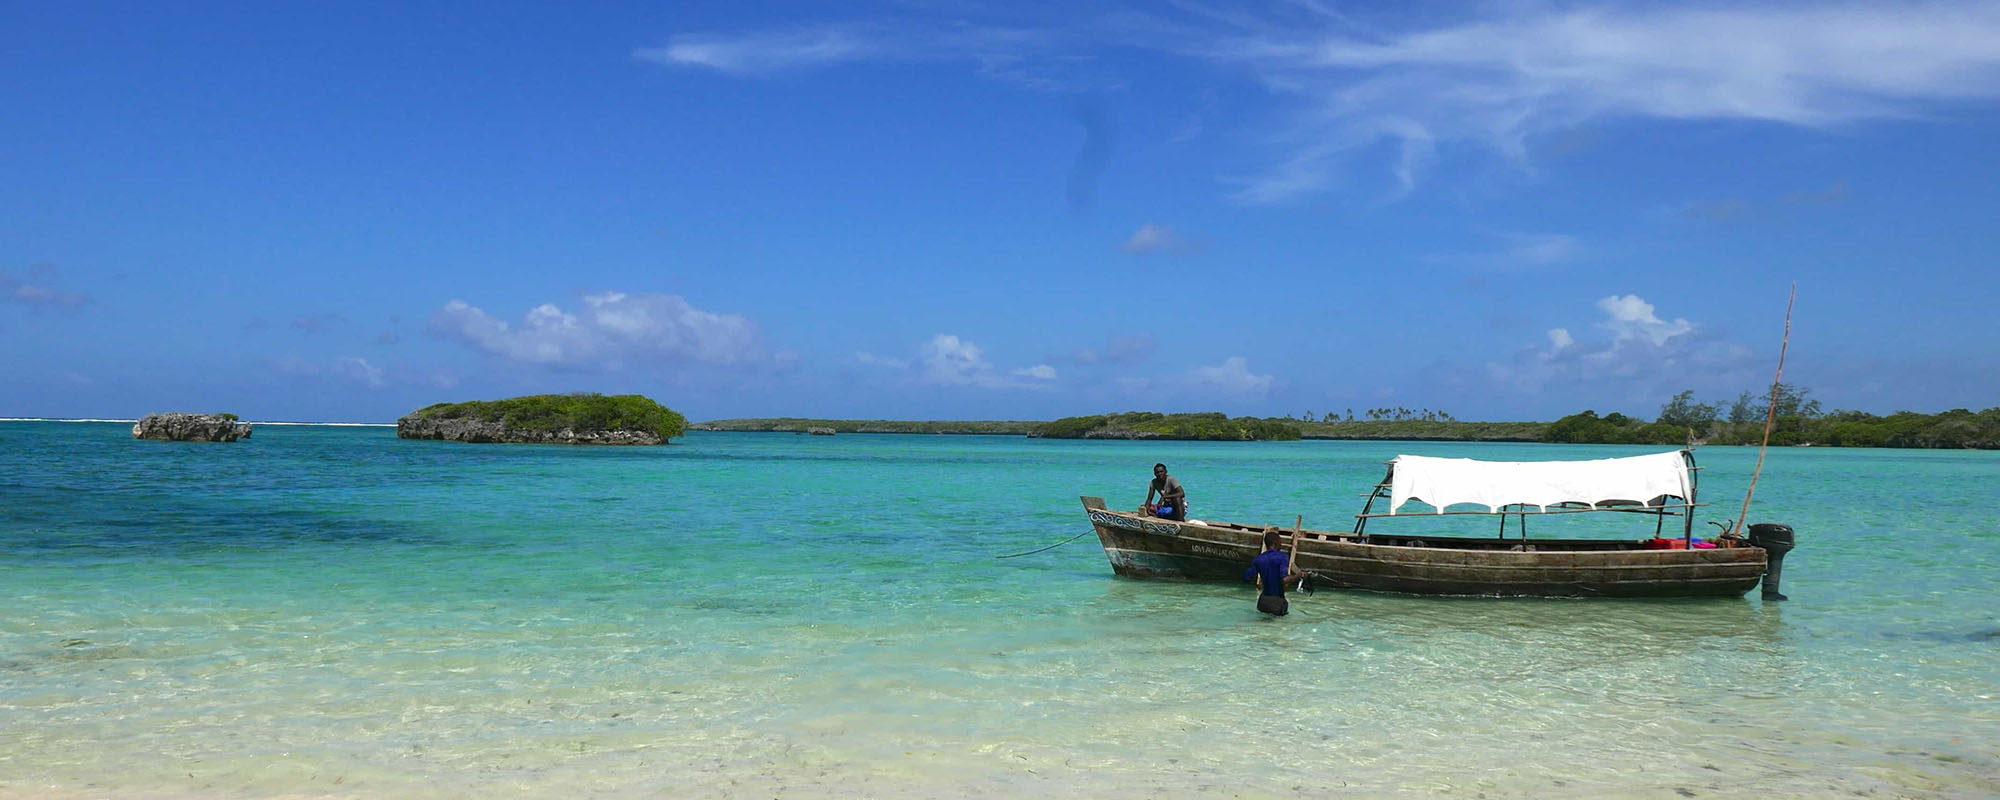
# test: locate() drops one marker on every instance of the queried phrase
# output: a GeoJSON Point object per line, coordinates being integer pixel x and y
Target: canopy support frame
{"type": "Point", "coordinates": [1660, 510]}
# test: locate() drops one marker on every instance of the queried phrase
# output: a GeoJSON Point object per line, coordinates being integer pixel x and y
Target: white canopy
{"type": "Point", "coordinates": [1443, 482]}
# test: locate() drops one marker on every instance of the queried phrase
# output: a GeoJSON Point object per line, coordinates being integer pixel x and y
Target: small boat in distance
{"type": "Point", "coordinates": [1661, 485]}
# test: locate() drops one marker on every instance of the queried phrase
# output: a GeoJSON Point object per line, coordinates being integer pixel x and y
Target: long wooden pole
{"type": "Point", "coordinates": [1770, 413]}
{"type": "Point", "coordinates": [1292, 561]}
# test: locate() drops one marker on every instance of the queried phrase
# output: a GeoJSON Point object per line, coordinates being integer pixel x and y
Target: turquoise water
{"type": "Point", "coordinates": [335, 612]}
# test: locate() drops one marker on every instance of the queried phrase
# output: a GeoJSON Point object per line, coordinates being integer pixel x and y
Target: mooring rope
{"type": "Point", "coordinates": [1050, 547]}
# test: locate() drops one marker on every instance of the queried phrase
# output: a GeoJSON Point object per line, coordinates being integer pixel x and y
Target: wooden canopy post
{"type": "Point", "coordinates": [1292, 560]}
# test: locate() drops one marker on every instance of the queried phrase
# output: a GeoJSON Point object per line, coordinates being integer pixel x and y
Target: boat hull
{"type": "Point", "coordinates": [1144, 547]}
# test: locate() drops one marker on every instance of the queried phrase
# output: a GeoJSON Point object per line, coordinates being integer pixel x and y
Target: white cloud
{"type": "Point", "coordinates": [1152, 238]}
{"type": "Point", "coordinates": [610, 330]}
{"type": "Point", "coordinates": [947, 360]}
{"type": "Point", "coordinates": [1232, 375]}
{"type": "Point", "coordinates": [1640, 350]}
{"type": "Point", "coordinates": [950, 361]}
{"type": "Point", "coordinates": [1633, 319]}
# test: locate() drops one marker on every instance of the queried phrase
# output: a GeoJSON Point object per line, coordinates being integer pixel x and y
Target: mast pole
{"type": "Point", "coordinates": [1770, 413]}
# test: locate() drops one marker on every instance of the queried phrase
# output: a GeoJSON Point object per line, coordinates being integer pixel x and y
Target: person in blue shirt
{"type": "Point", "coordinates": [1272, 569]}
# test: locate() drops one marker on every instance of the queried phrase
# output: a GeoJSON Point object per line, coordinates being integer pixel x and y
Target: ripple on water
{"type": "Point", "coordinates": [340, 612]}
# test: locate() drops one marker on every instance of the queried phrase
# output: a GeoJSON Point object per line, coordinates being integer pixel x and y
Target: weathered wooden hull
{"type": "Point", "coordinates": [1144, 547]}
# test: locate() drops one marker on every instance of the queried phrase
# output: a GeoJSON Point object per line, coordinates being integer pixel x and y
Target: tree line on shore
{"type": "Point", "coordinates": [1799, 420]}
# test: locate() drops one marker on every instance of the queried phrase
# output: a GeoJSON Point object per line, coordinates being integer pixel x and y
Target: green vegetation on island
{"type": "Point", "coordinates": [1798, 421]}
{"type": "Point", "coordinates": [1151, 425]}
{"type": "Point", "coordinates": [545, 413]}
{"type": "Point", "coordinates": [1442, 430]}
{"type": "Point", "coordinates": [802, 425]}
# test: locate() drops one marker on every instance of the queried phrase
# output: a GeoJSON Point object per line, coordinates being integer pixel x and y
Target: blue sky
{"type": "Point", "coordinates": [968, 210]}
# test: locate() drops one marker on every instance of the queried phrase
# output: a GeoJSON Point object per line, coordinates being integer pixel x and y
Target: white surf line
{"type": "Point", "coordinates": [334, 424]}
{"type": "Point", "coordinates": [324, 424]}
{"type": "Point", "coordinates": [54, 419]}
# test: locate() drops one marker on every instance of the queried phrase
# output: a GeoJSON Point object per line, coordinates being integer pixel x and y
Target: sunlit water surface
{"type": "Point", "coordinates": [335, 612]}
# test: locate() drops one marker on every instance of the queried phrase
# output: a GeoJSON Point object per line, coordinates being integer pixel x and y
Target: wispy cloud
{"type": "Point", "coordinates": [1499, 81]}
{"type": "Point", "coordinates": [349, 369]}
{"type": "Point", "coordinates": [359, 371]}
{"type": "Point", "coordinates": [1541, 249]}
{"type": "Point", "coordinates": [1153, 238]}
{"type": "Point", "coordinates": [881, 361]}
{"type": "Point", "coordinates": [36, 289]}
{"type": "Point", "coordinates": [1120, 350]}
{"type": "Point", "coordinates": [948, 360]}
{"type": "Point", "coordinates": [610, 331]}
{"type": "Point", "coordinates": [1517, 252]}
{"type": "Point", "coordinates": [1736, 209]}
{"type": "Point", "coordinates": [1006, 53]}
{"type": "Point", "coordinates": [318, 323]}
{"type": "Point", "coordinates": [1230, 380]}
{"type": "Point", "coordinates": [1357, 89]}
{"type": "Point", "coordinates": [777, 50]}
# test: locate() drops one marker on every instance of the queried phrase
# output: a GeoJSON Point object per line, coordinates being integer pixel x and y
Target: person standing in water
{"type": "Point", "coordinates": [1272, 569]}
{"type": "Point", "coordinates": [1173, 500]}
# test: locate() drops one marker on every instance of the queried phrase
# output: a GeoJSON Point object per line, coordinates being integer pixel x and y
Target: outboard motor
{"type": "Point", "coordinates": [1777, 540]}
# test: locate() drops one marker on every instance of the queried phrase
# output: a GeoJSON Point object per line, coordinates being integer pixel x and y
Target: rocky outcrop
{"type": "Point", "coordinates": [180, 427]}
{"type": "Point", "coordinates": [820, 431]}
{"type": "Point", "coordinates": [473, 430]}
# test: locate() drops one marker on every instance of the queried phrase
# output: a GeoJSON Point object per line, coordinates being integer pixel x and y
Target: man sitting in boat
{"type": "Point", "coordinates": [1173, 501]}
{"type": "Point", "coordinates": [1272, 569]}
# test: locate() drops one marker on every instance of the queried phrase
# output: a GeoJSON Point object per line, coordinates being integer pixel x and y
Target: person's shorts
{"type": "Point", "coordinates": [1273, 605]}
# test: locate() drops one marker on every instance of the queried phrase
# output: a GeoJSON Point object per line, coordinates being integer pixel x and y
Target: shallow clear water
{"type": "Point", "coordinates": [333, 611]}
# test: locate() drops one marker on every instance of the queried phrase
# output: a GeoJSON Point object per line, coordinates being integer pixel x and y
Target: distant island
{"type": "Point", "coordinates": [626, 419]}
{"type": "Point", "coordinates": [1208, 427]}
{"type": "Point", "coordinates": [1799, 421]}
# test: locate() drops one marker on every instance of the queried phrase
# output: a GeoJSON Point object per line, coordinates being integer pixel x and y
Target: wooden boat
{"type": "Point", "coordinates": [1142, 546]}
